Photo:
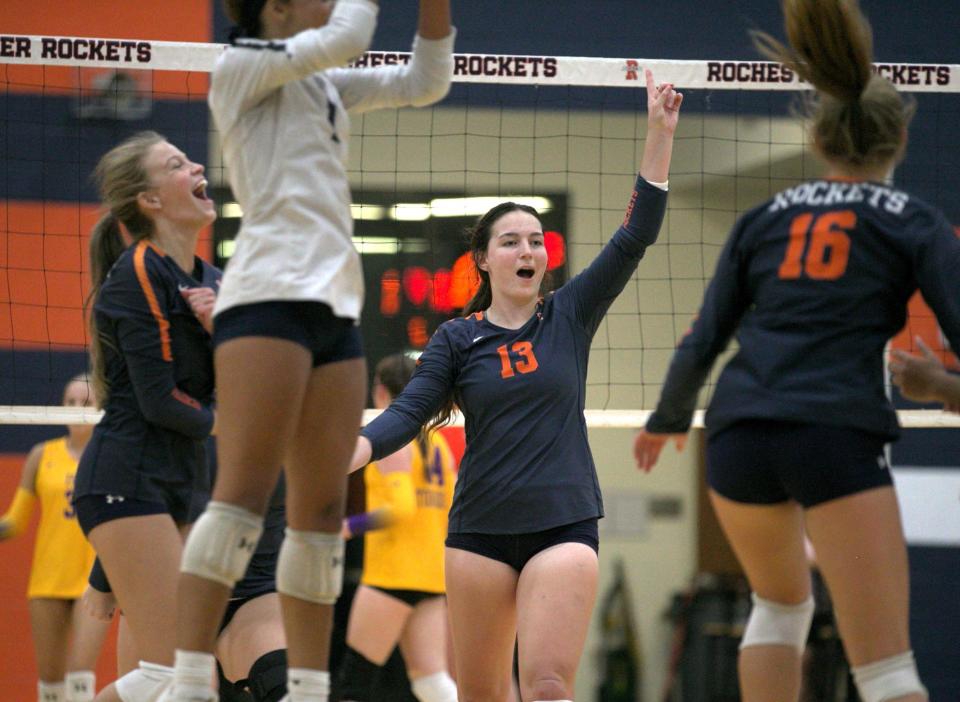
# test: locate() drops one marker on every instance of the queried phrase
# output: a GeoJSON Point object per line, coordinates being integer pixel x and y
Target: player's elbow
{"type": "Point", "coordinates": [430, 91]}
{"type": "Point", "coordinates": [344, 42]}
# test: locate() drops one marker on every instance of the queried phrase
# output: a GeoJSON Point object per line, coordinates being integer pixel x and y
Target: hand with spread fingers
{"type": "Point", "coordinates": [923, 378]}
{"type": "Point", "coordinates": [647, 447]}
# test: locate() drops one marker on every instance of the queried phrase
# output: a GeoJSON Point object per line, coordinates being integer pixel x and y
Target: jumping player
{"type": "Point", "coordinates": [521, 558]}
{"type": "Point", "coordinates": [814, 282]}
{"type": "Point", "coordinates": [288, 353]}
{"type": "Point", "coordinates": [143, 475]}
{"type": "Point", "coordinates": [66, 639]}
{"type": "Point", "coordinates": [400, 598]}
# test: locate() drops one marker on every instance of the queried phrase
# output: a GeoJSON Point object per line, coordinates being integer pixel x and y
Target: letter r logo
{"type": "Point", "coordinates": [632, 69]}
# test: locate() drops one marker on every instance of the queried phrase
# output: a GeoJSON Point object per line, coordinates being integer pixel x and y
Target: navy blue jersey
{"type": "Point", "coordinates": [159, 371]}
{"type": "Point", "coordinates": [527, 465]}
{"type": "Point", "coordinates": [814, 283]}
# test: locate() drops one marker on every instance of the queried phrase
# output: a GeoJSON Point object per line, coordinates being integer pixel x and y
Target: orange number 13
{"type": "Point", "coordinates": [829, 250]}
{"type": "Point", "coordinates": [527, 364]}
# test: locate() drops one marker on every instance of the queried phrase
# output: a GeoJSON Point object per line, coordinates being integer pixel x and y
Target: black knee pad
{"type": "Point", "coordinates": [356, 678]}
{"type": "Point", "coordinates": [230, 692]}
{"type": "Point", "coordinates": [268, 677]}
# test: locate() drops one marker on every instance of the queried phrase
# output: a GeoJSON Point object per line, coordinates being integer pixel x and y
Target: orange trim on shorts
{"type": "Point", "coordinates": [140, 266]}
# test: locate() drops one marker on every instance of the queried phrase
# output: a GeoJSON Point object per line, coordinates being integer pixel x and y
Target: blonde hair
{"type": "Point", "coordinates": [121, 177]}
{"type": "Point", "coordinates": [858, 117]}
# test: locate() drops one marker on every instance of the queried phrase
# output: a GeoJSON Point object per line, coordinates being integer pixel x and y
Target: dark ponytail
{"type": "Point", "coordinates": [120, 177]}
{"type": "Point", "coordinates": [859, 118]}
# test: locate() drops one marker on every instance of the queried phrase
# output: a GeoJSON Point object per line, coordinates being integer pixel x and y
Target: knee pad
{"type": "Point", "coordinates": [144, 684]}
{"type": "Point", "coordinates": [775, 624]}
{"type": "Point", "coordinates": [438, 687]}
{"type": "Point", "coordinates": [267, 680]}
{"type": "Point", "coordinates": [222, 543]}
{"type": "Point", "coordinates": [81, 686]}
{"type": "Point", "coordinates": [50, 692]}
{"type": "Point", "coordinates": [888, 679]}
{"type": "Point", "coordinates": [310, 566]}
{"type": "Point", "coordinates": [357, 676]}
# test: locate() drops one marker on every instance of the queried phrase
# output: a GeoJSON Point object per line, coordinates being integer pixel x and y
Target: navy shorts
{"type": "Point", "coordinates": [409, 597]}
{"type": "Point", "coordinates": [768, 461]}
{"type": "Point", "coordinates": [93, 510]}
{"type": "Point", "coordinates": [517, 549]}
{"type": "Point", "coordinates": [310, 324]}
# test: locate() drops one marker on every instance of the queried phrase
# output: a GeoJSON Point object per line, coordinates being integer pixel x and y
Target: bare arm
{"type": "Point", "coordinates": [434, 21]}
{"type": "Point", "coordinates": [924, 379]}
{"type": "Point", "coordinates": [663, 112]}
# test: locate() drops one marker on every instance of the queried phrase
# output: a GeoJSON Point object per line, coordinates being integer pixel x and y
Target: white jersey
{"type": "Point", "coordinates": [281, 109]}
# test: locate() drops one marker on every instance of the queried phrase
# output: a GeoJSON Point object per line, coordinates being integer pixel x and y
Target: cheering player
{"type": "Point", "coordinates": [521, 557]}
{"type": "Point", "coordinates": [814, 282]}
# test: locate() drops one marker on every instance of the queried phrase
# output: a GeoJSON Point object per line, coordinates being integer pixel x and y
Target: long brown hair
{"type": "Point", "coordinates": [121, 177]}
{"type": "Point", "coordinates": [858, 117]}
{"type": "Point", "coordinates": [479, 239]}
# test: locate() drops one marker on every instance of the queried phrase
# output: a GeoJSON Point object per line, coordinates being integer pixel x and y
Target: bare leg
{"type": "Point", "coordinates": [50, 620]}
{"type": "Point", "coordinates": [316, 467]}
{"type": "Point", "coordinates": [423, 642]}
{"type": "Point", "coordinates": [260, 385]}
{"type": "Point", "coordinates": [555, 599]}
{"type": "Point", "coordinates": [255, 630]}
{"type": "Point", "coordinates": [376, 622]}
{"type": "Point", "coordinates": [768, 541]}
{"type": "Point", "coordinates": [88, 635]}
{"type": "Point", "coordinates": [482, 597]}
{"type": "Point", "coordinates": [863, 558]}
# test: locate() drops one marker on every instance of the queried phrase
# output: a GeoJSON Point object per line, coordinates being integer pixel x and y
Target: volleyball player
{"type": "Point", "coordinates": [66, 639]}
{"type": "Point", "coordinates": [923, 378]}
{"type": "Point", "coordinates": [143, 475]}
{"type": "Point", "coordinates": [814, 282]}
{"type": "Point", "coordinates": [521, 557]}
{"type": "Point", "coordinates": [400, 598]}
{"type": "Point", "coordinates": [288, 353]}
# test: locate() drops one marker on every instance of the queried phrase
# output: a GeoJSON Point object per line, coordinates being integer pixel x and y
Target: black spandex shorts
{"type": "Point", "coordinates": [517, 549]}
{"type": "Point", "coordinates": [768, 461]}
{"type": "Point", "coordinates": [310, 324]}
{"type": "Point", "coordinates": [410, 597]}
{"type": "Point", "coordinates": [93, 510]}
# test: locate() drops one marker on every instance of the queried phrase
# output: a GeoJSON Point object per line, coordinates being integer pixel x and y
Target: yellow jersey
{"type": "Point", "coordinates": [408, 554]}
{"type": "Point", "coordinates": [62, 557]}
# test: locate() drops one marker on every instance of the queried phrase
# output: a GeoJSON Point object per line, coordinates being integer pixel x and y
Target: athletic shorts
{"type": "Point", "coordinates": [517, 549]}
{"type": "Point", "coordinates": [182, 504]}
{"type": "Point", "coordinates": [309, 324]}
{"type": "Point", "coordinates": [762, 461]}
{"type": "Point", "coordinates": [410, 597]}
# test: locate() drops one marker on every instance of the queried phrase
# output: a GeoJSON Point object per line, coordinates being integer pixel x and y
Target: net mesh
{"type": "Point", "coordinates": [564, 133]}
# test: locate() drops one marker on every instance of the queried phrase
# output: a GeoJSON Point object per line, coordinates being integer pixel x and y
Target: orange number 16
{"type": "Point", "coordinates": [527, 364]}
{"type": "Point", "coordinates": [829, 249]}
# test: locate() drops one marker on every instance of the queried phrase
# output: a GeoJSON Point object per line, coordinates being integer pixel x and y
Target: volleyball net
{"type": "Point", "coordinates": [563, 134]}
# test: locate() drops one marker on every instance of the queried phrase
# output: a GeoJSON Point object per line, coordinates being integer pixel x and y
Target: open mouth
{"type": "Point", "coordinates": [525, 273]}
{"type": "Point", "coordinates": [200, 192]}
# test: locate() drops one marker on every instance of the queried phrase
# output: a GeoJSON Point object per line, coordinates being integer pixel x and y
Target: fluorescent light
{"type": "Point", "coordinates": [474, 206]}
{"type": "Point", "coordinates": [226, 248]}
{"type": "Point", "coordinates": [390, 245]}
{"type": "Point", "coordinates": [231, 210]}
{"type": "Point", "coordinates": [367, 212]}
{"type": "Point", "coordinates": [410, 211]}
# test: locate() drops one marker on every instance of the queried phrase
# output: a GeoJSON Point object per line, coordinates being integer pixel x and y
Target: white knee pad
{"type": "Point", "coordinates": [888, 679]}
{"type": "Point", "coordinates": [50, 692]}
{"type": "Point", "coordinates": [775, 624]}
{"type": "Point", "coordinates": [310, 566]}
{"type": "Point", "coordinates": [438, 687]}
{"type": "Point", "coordinates": [144, 684]}
{"type": "Point", "coordinates": [81, 686]}
{"type": "Point", "coordinates": [222, 543]}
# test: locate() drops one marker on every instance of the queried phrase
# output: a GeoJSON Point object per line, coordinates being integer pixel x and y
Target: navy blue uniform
{"type": "Point", "coordinates": [814, 282]}
{"type": "Point", "coordinates": [528, 466]}
{"type": "Point", "coordinates": [149, 446]}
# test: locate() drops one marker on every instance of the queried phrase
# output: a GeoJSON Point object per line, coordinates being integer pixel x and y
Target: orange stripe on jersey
{"type": "Point", "coordinates": [140, 266]}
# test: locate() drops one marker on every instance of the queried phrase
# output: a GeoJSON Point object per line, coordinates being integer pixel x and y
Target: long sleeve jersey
{"type": "Point", "coordinates": [528, 465]}
{"type": "Point", "coordinates": [814, 283]}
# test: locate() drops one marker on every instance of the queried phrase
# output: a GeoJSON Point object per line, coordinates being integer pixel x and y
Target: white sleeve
{"type": "Point", "coordinates": [423, 81]}
{"type": "Point", "coordinates": [252, 68]}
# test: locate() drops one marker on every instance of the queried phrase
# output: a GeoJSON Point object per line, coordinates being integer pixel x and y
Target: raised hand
{"type": "Point", "coordinates": [663, 104]}
{"type": "Point", "coordinates": [919, 377]}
